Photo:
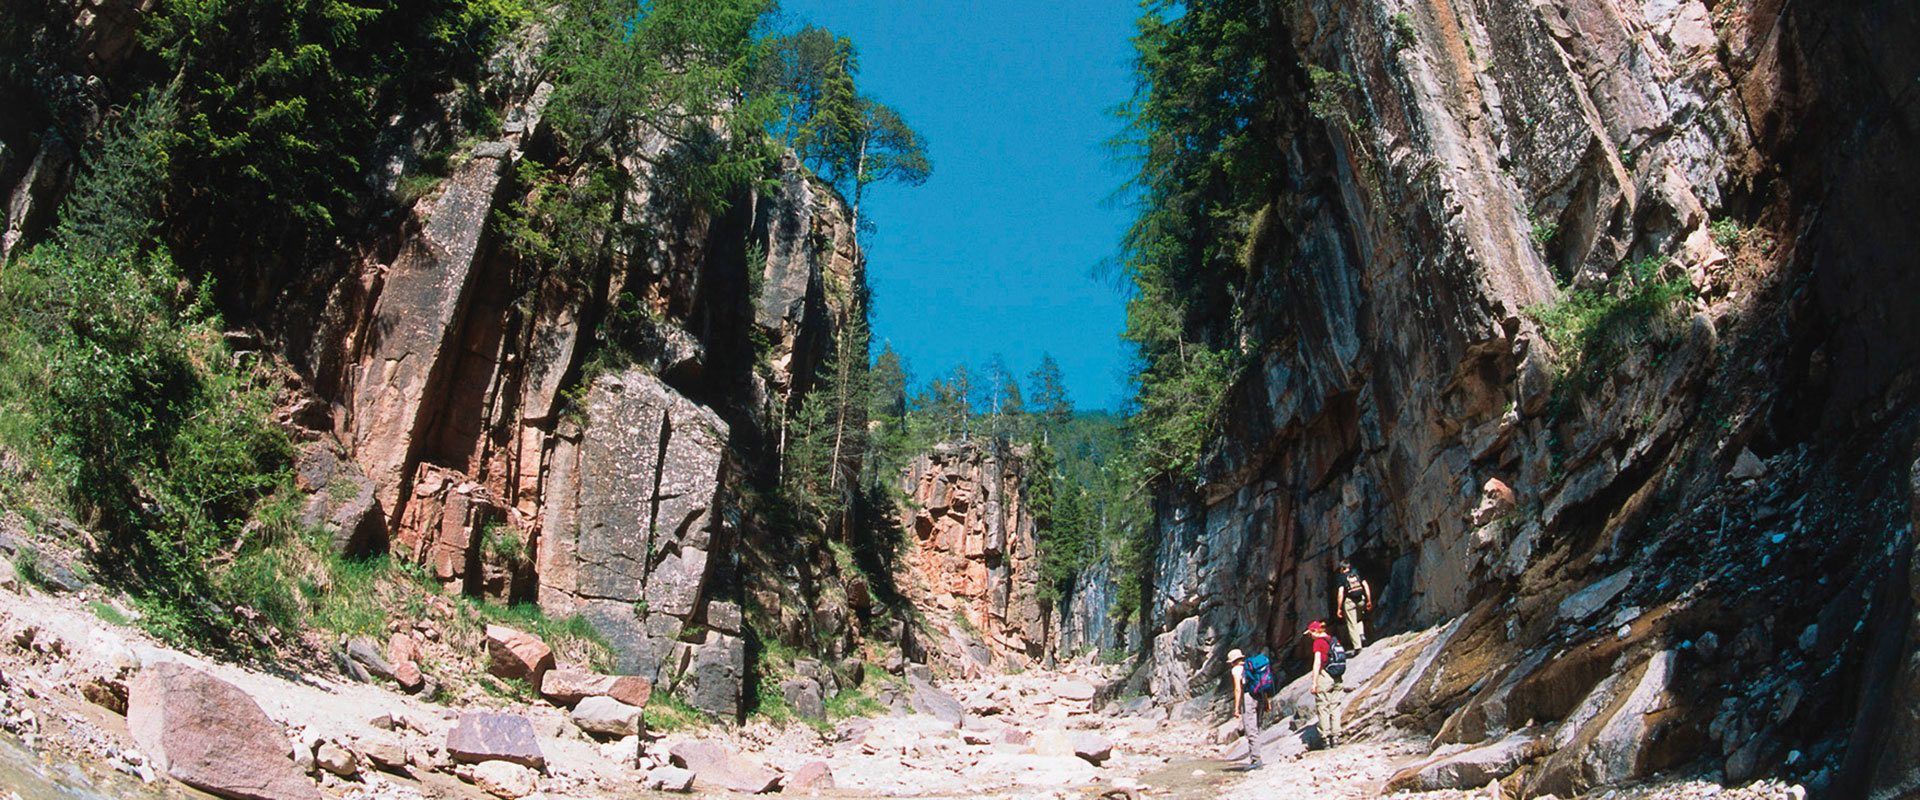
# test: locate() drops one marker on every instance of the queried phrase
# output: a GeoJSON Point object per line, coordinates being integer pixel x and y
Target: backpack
{"type": "Point", "coordinates": [1259, 676]}
{"type": "Point", "coordinates": [1336, 658]}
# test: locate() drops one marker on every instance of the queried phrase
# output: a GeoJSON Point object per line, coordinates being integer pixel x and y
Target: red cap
{"type": "Point", "coordinates": [1317, 626]}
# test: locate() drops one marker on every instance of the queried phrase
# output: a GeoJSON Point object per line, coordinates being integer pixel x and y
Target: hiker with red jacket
{"type": "Point", "coordinates": [1329, 696]}
{"type": "Point", "coordinates": [1248, 690]}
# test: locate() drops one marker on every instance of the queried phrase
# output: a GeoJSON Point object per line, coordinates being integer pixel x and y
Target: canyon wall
{"type": "Point", "coordinates": [1402, 406]}
{"type": "Point", "coordinates": [580, 433]}
{"type": "Point", "coordinates": [971, 566]}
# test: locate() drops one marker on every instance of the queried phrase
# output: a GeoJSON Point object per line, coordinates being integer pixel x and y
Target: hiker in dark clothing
{"type": "Point", "coordinates": [1354, 598]}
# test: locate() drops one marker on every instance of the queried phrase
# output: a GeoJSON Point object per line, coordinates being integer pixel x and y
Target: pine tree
{"type": "Point", "coordinates": [1050, 393]}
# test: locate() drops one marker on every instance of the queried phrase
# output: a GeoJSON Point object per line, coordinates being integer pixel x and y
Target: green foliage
{"type": "Point", "coordinates": [282, 103]}
{"type": "Point", "coordinates": [853, 703]}
{"type": "Point", "coordinates": [829, 435]}
{"type": "Point", "coordinates": [1405, 35]}
{"type": "Point", "coordinates": [669, 68]}
{"type": "Point", "coordinates": [667, 713]}
{"type": "Point", "coordinates": [1727, 233]}
{"type": "Point", "coordinates": [571, 635]}
{"type": "Point", "coordinates": [1541, 230]}
{"type": "Point", "coordinates": [1332, 95]}
{"type": "Point", "coordinates": [107, 613]}
{"type": "Point", "coordinates": [561, 219]}
{"type": "Point", "coordinates": [1202, 133]}
{"type": "Point", "coordinates": [345, 596]}
{"type": "Point", "coordinates": [848, 138]}
{"type": "Point", "coordinates": [1049, 390]}
{"type": "Point", "coordinates": [1177, 395]}
{"type": "Point", "coordinates": [1592, 329]}
{"type": "Point", "coordinates": [115, 380]}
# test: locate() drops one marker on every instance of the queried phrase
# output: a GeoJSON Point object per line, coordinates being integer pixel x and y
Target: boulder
{"type": "Point", "coordinates": [713, 682]}
{"type": "Point", "coordinates": [1091, 746]}
{"type": "Point", "coordinates": [501, 779]}
{"type": "Point", "coordinates": [923, 697]}
{"type": "Point", "coordinates": [513, 654]}
{"type": "Point", "coordinates": [9, 578]}
{"type": "Point", "coordinates": [383, 753]}
{"type": "Point", "coordinates": [719, 766]}
{"type": "Point", "coordinates": [407, 674]}
{"type": "Point", "coordinates": [1586, 602]}
{"type": "Point", "coordinates": [1472, 769]}
{"type": "Point", "coordinates": [1074, 690]}
{"type": "Point", "coordinates": [803, 695]}
{"type": "Point", "coordinates": [568, 687]}
{"type": "Point", "coordinates": [367, 652]}
{"type": "Point", "coordinates": [605, 716]}
{"type": "Point", "coordinates": [669, 778]}
{"type": "Point", "coordinates": [1496, 499]}
{"type": "Point", "coordinates": [812, 778]}
{"type": "Point", "coordinates": [336, 759]}
{"type": "Point", "coordinates": [483, 736]}
{"type": "Point", "coordinates": [723, 617]}
{"type": "Point", "coordinates": [208, 734]}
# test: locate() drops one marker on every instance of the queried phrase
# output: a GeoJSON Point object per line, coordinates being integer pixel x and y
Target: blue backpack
{"type": "Point", "coordinates": [1259, 676]}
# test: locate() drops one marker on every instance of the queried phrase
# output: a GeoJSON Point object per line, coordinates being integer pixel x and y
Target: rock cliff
{"type": "Point", "coordinates": [576, 435]}
{"type": "Point", "coordinates": [972, 567]}
{"type": "Point", "coordinates": [1676, 561]}
{"type": "Point", "coordinates": [972, 563]}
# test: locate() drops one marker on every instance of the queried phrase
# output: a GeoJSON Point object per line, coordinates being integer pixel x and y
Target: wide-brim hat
{"type": "Point", "coordinates": [1235, 655]}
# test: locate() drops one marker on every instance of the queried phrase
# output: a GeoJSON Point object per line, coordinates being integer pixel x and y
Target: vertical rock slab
{"type": "Point", "coordinates": [629, 509]}
{"type": "Point", "coordinates": [714, 681]}
{"type": "Point", "coordinates": [402, 354]}
{"type": "Point", "coordinates": [208, 734]}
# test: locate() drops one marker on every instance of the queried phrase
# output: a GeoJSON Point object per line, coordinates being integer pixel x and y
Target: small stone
{"type": "Point", "coordinates": [606, 716]}
{"type": "Point", "coordinates": [1092, 747]}
{"type": "Point", "coordinates": [337, 760]}
{"type": "Point", "coordinates": [1747, 466]}
{"type": "Point", "coordinates": [670, 779]}
{"type": "Point", "coordinates": [501, 779]}
{"type": "Point", "coordinates": [814, 777]}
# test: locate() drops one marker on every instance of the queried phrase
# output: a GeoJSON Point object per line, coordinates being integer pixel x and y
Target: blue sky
{"type": "Point", "coordinates": [996, 253]}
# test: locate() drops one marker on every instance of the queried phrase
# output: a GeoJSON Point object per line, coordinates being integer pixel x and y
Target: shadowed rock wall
{"type": "Point", "coordinates": [1397, 374]}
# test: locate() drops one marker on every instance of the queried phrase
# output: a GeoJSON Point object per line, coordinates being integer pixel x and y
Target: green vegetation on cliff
{"type": "Point", "coordinates": [118, 390]}
{"type": "Point", "coordinates": [1201, 135]}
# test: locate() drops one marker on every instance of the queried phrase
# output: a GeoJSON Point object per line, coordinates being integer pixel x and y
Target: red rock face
{"type": "Point", "coordinates": [973, 557]}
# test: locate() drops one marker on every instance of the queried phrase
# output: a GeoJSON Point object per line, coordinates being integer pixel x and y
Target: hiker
{"type": "Point", "coordinates": [1329, 696]}
{"type": "Point", "coordinates": [1354, 598]}
{"type": "Point", "coordinates": [1246, 702]}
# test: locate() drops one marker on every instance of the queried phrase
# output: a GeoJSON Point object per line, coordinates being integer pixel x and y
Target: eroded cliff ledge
{"type": "Point", "coordinates": [1694, 559]}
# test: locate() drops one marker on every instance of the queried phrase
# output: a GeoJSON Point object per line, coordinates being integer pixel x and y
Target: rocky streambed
{"type": "Point", "coordinates": [95, 710]}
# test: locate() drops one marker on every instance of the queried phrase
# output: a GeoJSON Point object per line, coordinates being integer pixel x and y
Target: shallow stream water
{"type": "Point", "coordinates": [31, 776]}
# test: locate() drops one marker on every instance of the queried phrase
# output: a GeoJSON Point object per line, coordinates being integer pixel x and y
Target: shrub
{"type": "Point", "coordinates": [1592, 330]}
{"type": "Point", "coordinates": [1404, 34]}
